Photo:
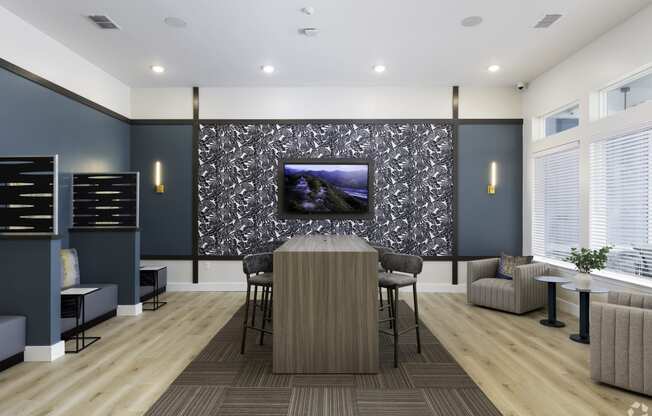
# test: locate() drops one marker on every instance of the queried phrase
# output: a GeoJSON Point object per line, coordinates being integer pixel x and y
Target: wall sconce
{"type": "Point", "coordinates": [159, 188]}
{"type": "Point", "coordinates": [491, 189]}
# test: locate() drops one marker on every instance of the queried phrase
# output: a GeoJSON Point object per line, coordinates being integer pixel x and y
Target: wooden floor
{"type": "Point", "coordinates": [523, 367]}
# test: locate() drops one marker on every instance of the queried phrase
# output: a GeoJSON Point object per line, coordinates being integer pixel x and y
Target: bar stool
{"type": "Point", "coordinates": [382, 250]}
{"type": "Point", "coordinates": [408, 268]}
{"type": "Point", "coordinates": [258, 269]}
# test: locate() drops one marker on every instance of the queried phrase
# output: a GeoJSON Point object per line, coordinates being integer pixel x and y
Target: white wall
{"type": "Point", "coordinates": [324, 103]}
{"type": "Point", "coordinates": [161, 103]}
{"type": "Point", "coordinates": [490, 102]}
{"type": "Point", "coordinates": [620, 52]}
{"type": "Point", "coordinates": [23, 45]}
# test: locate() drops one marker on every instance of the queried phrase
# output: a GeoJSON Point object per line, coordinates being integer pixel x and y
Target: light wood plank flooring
{"type": "Point", "coordinates": [523, 367]}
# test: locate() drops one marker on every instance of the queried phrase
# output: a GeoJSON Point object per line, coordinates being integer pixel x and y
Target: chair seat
{"type": "Point", "coordinates": [493, 283]}
{"type": "Point", "coordinates": [395, 280]}
{"type": "Point", "coordinates": [264, 279]}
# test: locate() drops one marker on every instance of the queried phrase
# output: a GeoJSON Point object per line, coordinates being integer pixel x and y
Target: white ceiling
{"type": "Point", "coordinates": [420, 41]}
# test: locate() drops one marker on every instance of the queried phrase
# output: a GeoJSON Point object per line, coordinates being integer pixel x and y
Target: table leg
{"type": "Point", "coordinates": [583, 337]}
{"type": "Point", "coordinates": [552, 308]}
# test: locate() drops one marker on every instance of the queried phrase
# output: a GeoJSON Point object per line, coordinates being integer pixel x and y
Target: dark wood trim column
{"type": "Point", "coordinates": [195, 184]}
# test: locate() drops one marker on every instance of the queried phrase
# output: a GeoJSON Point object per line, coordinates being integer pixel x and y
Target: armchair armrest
{"type": "Point", "coordinates": [636, 300]}
{"type": "Point", "coordinates": [530, 294]}
{"type": "Point", "coordinates": [621, 346]}
{"type": "Point", "coordinates": [478, 269]}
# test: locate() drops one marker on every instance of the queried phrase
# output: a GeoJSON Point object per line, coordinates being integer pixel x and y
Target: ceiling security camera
{"type": "Point", "coordinates": [521, 86]}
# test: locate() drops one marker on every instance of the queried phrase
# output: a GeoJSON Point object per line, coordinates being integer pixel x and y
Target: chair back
{"type": "Point", "coordinates": [258, 263]}
{"type": "Point", "coordinates": [69, 268]}
{"type": "Point", "coordinates": [402, 263]}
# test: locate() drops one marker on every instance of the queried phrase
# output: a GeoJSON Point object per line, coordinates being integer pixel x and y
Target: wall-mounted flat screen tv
{"type": "Point", "coordinates": [326, 188]}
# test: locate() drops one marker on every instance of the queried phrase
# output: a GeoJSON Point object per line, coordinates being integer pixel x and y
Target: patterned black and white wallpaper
{"type": "Point", "coordinates": [238, 165]}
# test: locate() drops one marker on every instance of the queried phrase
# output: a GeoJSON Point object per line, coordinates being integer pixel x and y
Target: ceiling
{"type": "Point", "coordinates": [420, 41]}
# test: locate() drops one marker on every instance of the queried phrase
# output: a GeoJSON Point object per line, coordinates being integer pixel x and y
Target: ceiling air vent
{"type": "Point", "coordinates": [104, 22]}
{"type": "Point", "coordinates": [547, 21]}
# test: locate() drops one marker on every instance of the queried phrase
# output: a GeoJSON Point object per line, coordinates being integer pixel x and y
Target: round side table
{"type": "Point", "coordinates": [585, 301]}
{"type": "Point", "coordinates": [552, 299]}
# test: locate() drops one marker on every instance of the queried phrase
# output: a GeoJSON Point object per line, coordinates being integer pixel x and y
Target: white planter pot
{"type": "Point", "coordinates": [583, 281]}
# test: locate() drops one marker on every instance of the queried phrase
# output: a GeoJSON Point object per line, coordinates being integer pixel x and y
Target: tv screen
{"type": "Point", "coordinates": [325, 188]}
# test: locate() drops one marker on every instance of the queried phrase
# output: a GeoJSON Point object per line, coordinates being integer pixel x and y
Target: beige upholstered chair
{"type": "Point", "coordinates": [621, 341]}
{"type": "Point", "coordinates": [520, 295]}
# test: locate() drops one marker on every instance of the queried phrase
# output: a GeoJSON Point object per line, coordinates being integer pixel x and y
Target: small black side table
{"type": "Point", "coordinates": [552, 300]}
{"type": "Point", "coordinates": [585, 301]}
{"type": "Point", "coordinates": [74, 298]}
{"type": "Point", "coordinates": [149, 276]}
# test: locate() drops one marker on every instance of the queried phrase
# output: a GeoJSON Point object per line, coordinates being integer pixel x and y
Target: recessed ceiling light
{"type": "Point", "coordinates": [158, 69]}
{"type": "Point", "coordinates": [380, 68]}
{"type": "Point", "coordinates": [268, 69]}
{"type": "Point", "coordinates": [493, 68]}
{"type": "Point", "coordinates": [471, 21]}
{"type": "Point", "coordinates": [311, 32]}
{"type": "Point", "coordinates": [308, 11]}
{"type": "Point", "coordinates": [175, 22]}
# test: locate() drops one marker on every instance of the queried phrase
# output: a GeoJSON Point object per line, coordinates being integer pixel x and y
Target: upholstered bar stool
{"type": "Point", "coordinates": [258, 269]}
{"type": "Point", "coordinates": [401, 270]}
{"type": "Point", "coordinates": [381, 252]}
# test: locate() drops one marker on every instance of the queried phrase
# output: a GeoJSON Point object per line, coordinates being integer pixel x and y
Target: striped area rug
{"type": "Point", "coordinates": [220, 381]}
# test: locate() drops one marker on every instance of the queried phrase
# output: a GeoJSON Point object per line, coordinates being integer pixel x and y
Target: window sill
{"type": "Point", "coordinates": [603, 274]}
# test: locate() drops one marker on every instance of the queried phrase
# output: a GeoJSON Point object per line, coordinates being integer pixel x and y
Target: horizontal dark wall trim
{"type": "Point", "coordinates": [517, 121]}
{"type": "Point", "coordinates": [103, 230]}
{"type": "Point", "coordinates": [161, 122]}
{"type": "Point", "coordinates": [325, 120]}
{"type": "Point", "coordinates": [59, 89]}
{"type": "Point", "coordinates": [166, 257]}
{"type": "Point", "coordinates": [30, 237]}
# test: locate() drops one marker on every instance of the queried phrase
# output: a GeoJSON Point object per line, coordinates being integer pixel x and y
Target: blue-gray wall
{"type": "Point", "coordinates": [30, 286]}
{"type": "Point", "coordinates": [110, 257]}
{"type": "Point", "coordinates": [37, 121]}
{"type": "Point", "coordinates": [490, 224]}
{"type": "Point", "coordinates": [165, 219]}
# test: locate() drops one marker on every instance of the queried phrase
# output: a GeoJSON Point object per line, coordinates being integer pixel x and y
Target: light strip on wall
{"type": "Point", "coordinates": [158, 185]}
{"type": "Point", "coordinates": [491, 189]}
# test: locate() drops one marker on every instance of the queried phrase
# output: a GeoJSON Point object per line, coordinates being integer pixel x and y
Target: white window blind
{"type": "Point", "coordinates": [556, 219]}
{"type": "Point", "coordinates": [621, 201]}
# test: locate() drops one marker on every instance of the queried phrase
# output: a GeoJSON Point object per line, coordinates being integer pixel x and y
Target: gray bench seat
{"type": "Point", "coordinates": [97, 304]}
{"type": "Point", "coordinates": [12, 336]}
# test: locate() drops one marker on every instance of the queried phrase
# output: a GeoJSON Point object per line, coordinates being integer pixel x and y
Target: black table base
{"type": "Point", "coordinates": [80, 336]}
{"type": "Point", "coordinates": [583, 337]}
{"type": "Point", "coordinates": [552, 308]}
{"type": "Point", "coordinates": [155, 303]}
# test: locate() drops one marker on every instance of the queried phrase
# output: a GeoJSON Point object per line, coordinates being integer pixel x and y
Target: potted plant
{"type": "Point", "coordinates": [586, 261]}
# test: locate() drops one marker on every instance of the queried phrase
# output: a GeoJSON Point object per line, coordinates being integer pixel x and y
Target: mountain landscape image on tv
{"type": "Point", "coordinates": [326, 188]}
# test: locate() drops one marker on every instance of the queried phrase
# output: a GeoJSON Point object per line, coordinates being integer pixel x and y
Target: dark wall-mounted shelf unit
{"type": "Point", "coordinates": [29, 195]}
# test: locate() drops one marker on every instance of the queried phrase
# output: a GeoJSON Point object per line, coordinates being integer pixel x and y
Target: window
{"type": "Point", "coordinates": [626, 94]}
{"type": "Point", "coordinates": [556, 219]}
{"type": "Point", "coordinates": [621, 201]}
{"type": "Point", "coordinates": [561, 120]}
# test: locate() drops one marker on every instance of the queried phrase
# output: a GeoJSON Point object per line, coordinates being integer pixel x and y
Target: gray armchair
{"type": "Point", "coordinates": [520, 295]}
{"type": "Point", "coordinates": [621, 336]}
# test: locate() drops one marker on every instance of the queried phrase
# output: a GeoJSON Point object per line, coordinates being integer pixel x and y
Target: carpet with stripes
{"type": "Point", "coordinates": [221, 381]}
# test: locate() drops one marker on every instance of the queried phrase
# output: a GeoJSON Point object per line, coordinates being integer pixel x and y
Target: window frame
{"type": "Point", "coordinates": [541, 120]}
{"type": "Point", "coordinates": [603, 92]}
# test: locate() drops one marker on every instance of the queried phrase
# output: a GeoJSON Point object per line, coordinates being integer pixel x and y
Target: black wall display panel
{"type": "Point", "coordinates": [237, 186]}
{"type": "Point", "coordinates": [105, 200]}
{"type": "Point", "coordinates": [28, 195]}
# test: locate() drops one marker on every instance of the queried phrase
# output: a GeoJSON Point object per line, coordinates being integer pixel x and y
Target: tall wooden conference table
{"type": "Point", "coordinates": [325, 306]}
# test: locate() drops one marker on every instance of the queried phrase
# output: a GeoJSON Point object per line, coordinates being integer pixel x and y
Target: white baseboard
{"type": "Point", "coordinates": [130, 310]}
{"type": "Point", "coordinates": [241, 287]}
{"type": "Point", "coordinates": [45, 352]}
{"type": "Point", "coordinates": [568, 307]}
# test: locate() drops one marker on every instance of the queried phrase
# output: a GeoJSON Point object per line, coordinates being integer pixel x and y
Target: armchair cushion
{"type": "Point", "coordinates": [507, 264]}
